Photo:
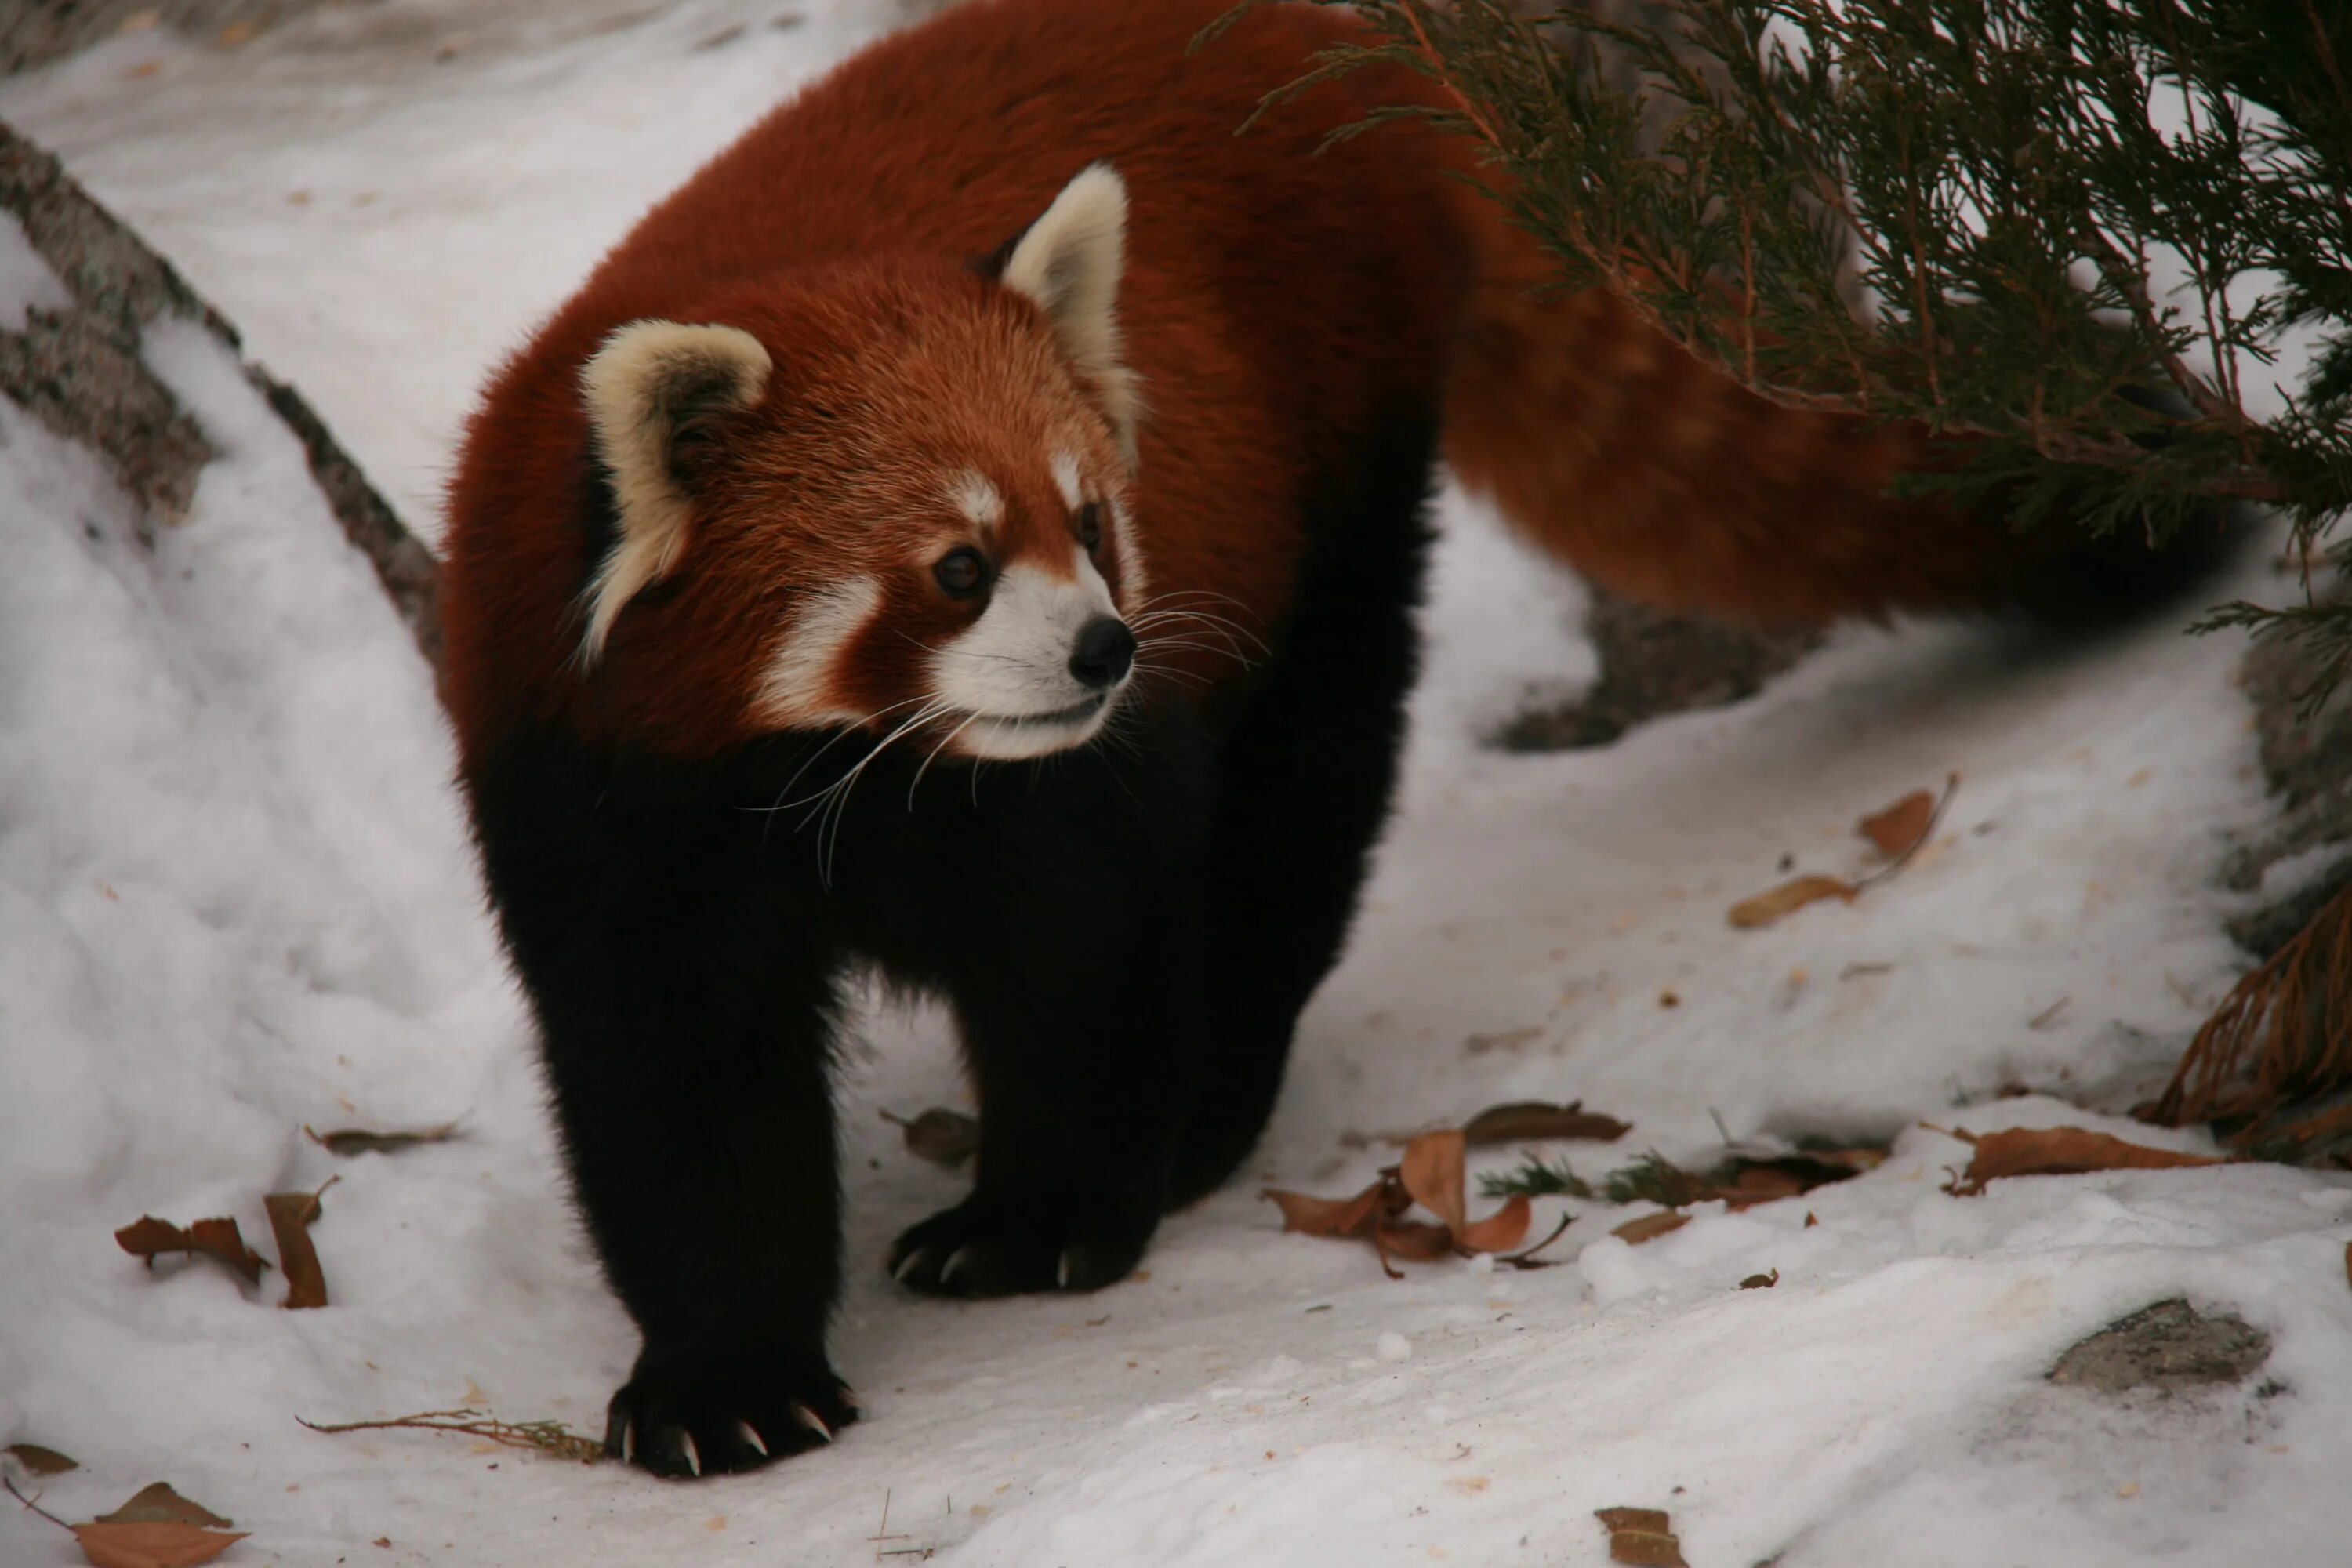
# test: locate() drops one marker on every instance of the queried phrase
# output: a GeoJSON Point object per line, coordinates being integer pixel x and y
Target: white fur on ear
{"type": "Point", "coordinates": [1069, 263]}
{"type": "Point", "coordinates": [650, 378]}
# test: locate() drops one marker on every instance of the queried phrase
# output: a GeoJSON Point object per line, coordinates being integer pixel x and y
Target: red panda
{"type": "Point", "coordinates": [971, 530]}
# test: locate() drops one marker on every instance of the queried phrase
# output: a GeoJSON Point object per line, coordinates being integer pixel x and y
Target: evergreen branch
{"type": "Point", "coordinates": [2068, 287]}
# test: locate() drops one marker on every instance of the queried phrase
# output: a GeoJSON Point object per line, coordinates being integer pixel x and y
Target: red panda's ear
{"type": "Point", "coordinates": [1069, 262]}
{"type": "Point", "coordinates": [653, 392]}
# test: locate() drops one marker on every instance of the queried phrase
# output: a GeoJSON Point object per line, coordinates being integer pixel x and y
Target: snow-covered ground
{"type": "Point", "coordinates": [235, 897]}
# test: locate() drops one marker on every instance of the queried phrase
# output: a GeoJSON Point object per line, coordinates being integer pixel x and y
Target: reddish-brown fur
{"type": "Point", "coordinates": [1310, 313]}
{"type": "Point", "coordinates": [1602, 442]}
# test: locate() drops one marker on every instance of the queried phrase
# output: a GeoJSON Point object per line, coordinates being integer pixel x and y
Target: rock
{"type": "Point", "coordinates": [1653, 664]}
{"type": "Point", "coordinates": [2169, 1346]}
{"type": "Point", "coordinates": [79, 370]}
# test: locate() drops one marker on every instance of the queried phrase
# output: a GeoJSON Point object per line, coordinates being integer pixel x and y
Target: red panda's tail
{"type": "Point", "coordinates": [1661, 480]}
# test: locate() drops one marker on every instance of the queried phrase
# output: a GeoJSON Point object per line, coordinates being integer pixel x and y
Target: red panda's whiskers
{"type": "Point", "coordinates": [934, 757]}
{"type": "Point", "coordinates": [1229, 632]}
{"type": "Point", "coordinates": [831, 804]}
{"type": "Point", "coordinates": [780, 802]}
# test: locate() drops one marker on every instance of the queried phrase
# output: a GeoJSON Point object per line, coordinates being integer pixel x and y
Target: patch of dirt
{"type": "Point", "coordinates": [2168, 1346]}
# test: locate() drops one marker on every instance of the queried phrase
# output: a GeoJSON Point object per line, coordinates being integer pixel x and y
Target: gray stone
{"type": "Point", "coordinates": [2169, 1346]}
{"type": "Point", "coordinates": [1653, 664]}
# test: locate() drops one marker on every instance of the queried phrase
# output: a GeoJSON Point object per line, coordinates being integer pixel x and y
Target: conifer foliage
{"type": "Point", "coordinates": [2079, 231]}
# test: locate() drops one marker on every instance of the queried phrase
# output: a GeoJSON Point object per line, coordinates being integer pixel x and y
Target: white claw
{"type": "Point", "coordinates": [955, 1260]}
{"type": "Point", "coordinates": [629, 1443]}
{"type": "Point", "coordinates": [814, 1422]}
{"type": "Point", "coordinates": [849, 1397]}
{"type": "Point", "coordinates": [1062, 1273]}
{"type": "Point", "coordinates": [751, 1435]}
{"type": "Point", "coordinates": [907, 1264]}
{"type": "Point", "coordinates": [693, 1453]}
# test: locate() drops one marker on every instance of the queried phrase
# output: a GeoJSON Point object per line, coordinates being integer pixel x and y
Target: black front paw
{"type": "Point", "coordinates": [984, 1249]}
{"type": "Point", "coordinates": [732, 1405]}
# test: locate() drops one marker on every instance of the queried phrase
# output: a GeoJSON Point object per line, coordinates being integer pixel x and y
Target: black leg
{"type": "Point", "coordinates": [1305, 774]}
{"type": "Point", "coordinates": [686, 1036]}
{"type": "Point", "coordinates": [1075, 998]}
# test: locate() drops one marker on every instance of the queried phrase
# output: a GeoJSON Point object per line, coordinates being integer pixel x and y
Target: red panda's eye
{"type": "Point", "coordinates": [1090, 524]}
{"type": "Point", "coordinates": [961, 573]}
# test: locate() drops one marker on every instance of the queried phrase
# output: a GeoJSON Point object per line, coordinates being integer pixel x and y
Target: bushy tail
{"type": "Point", "coordinates": [1660, 479]}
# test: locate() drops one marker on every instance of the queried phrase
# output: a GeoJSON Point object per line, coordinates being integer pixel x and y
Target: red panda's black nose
{"type": "Point", "coordinates": [1105, 651]}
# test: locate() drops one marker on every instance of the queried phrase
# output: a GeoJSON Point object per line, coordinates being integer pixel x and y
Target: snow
{"type": "Point", "coordinates": [235, 897]}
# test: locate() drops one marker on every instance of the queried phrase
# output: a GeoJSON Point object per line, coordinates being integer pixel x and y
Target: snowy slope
{"type": "Point", "coordinates": [234, 897]}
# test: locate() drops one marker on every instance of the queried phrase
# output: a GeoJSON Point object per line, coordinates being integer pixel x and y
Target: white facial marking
{"type": "Point", "coordinates": [796, 688]}
{"type": "Point", "coordinates": [977, 499]}
{"type": "Point", "coordinates": [1008, 675]}
{"type": "Point", "coordinates": [1065, 479]}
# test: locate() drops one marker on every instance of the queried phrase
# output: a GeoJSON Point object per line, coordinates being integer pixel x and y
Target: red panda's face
{"type": "Point", "coordinates": [947, 547]}
{"type": "Point", "coordinates": [892, 495]}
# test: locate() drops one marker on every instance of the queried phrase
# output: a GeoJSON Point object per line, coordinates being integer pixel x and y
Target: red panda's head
{"type": "Point", "coordinates": [890, 492]}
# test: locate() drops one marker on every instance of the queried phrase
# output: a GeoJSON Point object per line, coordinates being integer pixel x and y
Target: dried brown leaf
{"type": "Point", "coordinates": [1650, 1227]}
{"type": "Point", "coordinates": [1788, 897]}
{"type": "Point", "coordinates": [2060, 1152]}
{"type": "Point", "coordinates": [291, 1214]}
{"type": "Point", "coordinates": [1897, 830]}
{"type": "Point", "coordinates": [156, 1545]}
{"type": "Point", "coordinates": [1525, 1120]}
{"type": "Point", "coordinates": [1642, 1536]}
{"type": "Point", "coordinates": [1329, 1216]}
{"type": "Point", "coordinates": [1415, 1240]}
{"type": "Point", "coordinates": [1498, 1232]}
{"type": "Point", "coordinates": [943, 1137]}
{"type": "Point", "coordinates": [40, 1461]}
{"type": "Point", "coordinates": [157, 1503]}
{"type": "Point", "coordinates": [1431, 1170]}
{"type": "Point", "coordinates": [349, 1141]}
{"type": "Point", "coordinates": [148, 1237]}
{"type": "Point", "coordinates": [1760, 1281]}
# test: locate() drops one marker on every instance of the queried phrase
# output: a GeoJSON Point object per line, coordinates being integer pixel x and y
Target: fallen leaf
{"type": "Point", "coordinates": [1522, 1120]}
{"type": "Point", "coordinates": [291, 1214]}
{"type": "Point", "coordinates": [349, 1141]}
{"type": "Point", "coordinates": [1642, 1536]}
{"type": "Point", "coordinates": [1331, 1216]}
{"type": "Point", "coordinates": [157, 1503]}
{"type": "Point", "coordinates": [1431, 1170]}
{"type": "Point", "coordinates": [2058, 1152]}
{"type": "Point", "coordinates": [109, 1545]}
{"type": "Point", "coordinates": [1415, 1240]}
{"type": "Point", "coordinates": [946, 1138]}
{"type": "Point", "coordinates": [40, 1461]}
{"type": "Point", "coordinates": [1897, 830]}
{"type": "Point", "coordinates": [1498, 1232]}
{"type": "Point", "coordinates": [1650, 1227]}
{"type": "Point", "coordinates": [1760, 1281]}
{"type": "Point", "coordinates": [1788, 897]}
{"type": "Point", "coordinates": [1744, 1180]}
{"type": "Point", "coordinates": [149, 1237]}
